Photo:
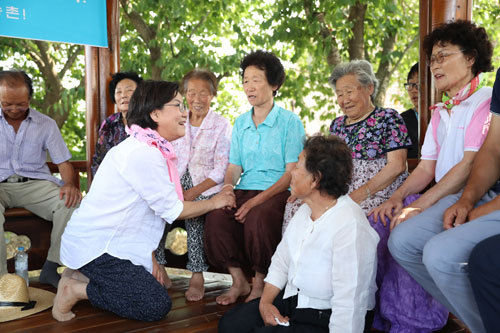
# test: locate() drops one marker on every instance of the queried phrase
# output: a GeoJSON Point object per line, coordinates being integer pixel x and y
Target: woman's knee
{"type": "Point", "coordinates": [158, 306]}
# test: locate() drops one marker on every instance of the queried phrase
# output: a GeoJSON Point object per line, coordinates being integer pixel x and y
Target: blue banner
{"type": "Point", "coordinates": [67, 21]}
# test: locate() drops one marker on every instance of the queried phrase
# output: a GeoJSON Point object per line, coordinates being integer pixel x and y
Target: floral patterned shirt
{"type": "Point", "coordinates": [111, 133]}
{"type": "Point", "coordinates": [382, 131]}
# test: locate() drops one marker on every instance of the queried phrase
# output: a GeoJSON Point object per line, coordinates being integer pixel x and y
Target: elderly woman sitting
{"type": "Point", "coordinates": [322, 276]}
{"type": "Point", "coordinates": [378, 140]}
{"type": "Point", "coordinates": [203, 157]}
{"type": "Point", "coordinates": [265, 145]}
{"type": "Point", "coordinates": [458, 52]}
{"type": "Point", "coordinates": [108, 243]}
{"type": "Point", "coordinates": [112, 130]}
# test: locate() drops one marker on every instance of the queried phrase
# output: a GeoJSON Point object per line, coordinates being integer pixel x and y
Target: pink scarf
{"type": "Point", "coordinates": [153, 139]}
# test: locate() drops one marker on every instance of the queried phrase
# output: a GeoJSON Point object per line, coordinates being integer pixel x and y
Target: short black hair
{"type": "Point", "coordinates": [413, 71]}
{"type": "Point", "coordinates": [473, 40]}
{"type": "Point", "coordinates": [13, 77]}
{"type": "Point", "coordinates": [117, 77]}
{"type": "Point", "coordinates": [329, 159]}
{"type": "Point", "coordinates": [149, 96]}
{"type": "Point", "coordinates": [269, 63]}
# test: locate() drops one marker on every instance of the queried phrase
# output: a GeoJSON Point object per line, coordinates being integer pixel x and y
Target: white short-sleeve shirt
{"type": "Point", "coordinates": [125, 211]}
{"type": "Point", "coordinates": [449, 135]}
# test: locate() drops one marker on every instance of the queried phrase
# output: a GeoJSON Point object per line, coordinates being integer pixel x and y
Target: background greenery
{"type": "Point", "coordinates": [164, 39]}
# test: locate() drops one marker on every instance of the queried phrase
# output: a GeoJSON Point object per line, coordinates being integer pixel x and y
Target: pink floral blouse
{"type": "Point", "coordinates": [207, 155]}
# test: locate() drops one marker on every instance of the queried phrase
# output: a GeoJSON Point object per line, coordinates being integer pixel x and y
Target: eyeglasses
{"type": "Point", "coordinates": [441, 56]}
{"type": "Point", "coordinates": [181, 106]}
{"type": "Point", "coordinates": [11, 107]}
{"type": "Point", "coordinates": [411, 86]}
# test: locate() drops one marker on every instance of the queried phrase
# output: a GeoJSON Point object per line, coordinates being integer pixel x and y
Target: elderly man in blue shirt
{"type": "Point", "coordinates": [25, 179]}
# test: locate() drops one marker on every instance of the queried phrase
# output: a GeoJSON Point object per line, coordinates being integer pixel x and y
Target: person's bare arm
{"type": "Point", "coordinates": [267, 310]}
{"type": "Point", "coordinates": [485, 172]}
{"type": "Point", "coordinates": [195, 191]}
{"type": "Point", "coordinates": [417, 181]}
{"type": "Point", "coordinates": [396, 165]}
{"type": "Point", "coordinates": [196, 208]}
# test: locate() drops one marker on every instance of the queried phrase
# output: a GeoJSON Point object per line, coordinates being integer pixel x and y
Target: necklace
{"type": "Point", "coordinates": [327, 207]}
{"type": "Point", "coordinates": [330, 205]}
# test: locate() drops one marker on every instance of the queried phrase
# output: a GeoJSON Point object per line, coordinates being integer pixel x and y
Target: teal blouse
{"type": "Point", "coordinates": [264, 152]}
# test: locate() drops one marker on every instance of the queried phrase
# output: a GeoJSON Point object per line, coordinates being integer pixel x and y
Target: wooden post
{"type": "Point", "coordinates": [433, 13]}
{"type": "Point", "coordinates": [100, 63]}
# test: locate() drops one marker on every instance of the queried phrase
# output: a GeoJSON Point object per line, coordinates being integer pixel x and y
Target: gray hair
{"type": "Point", "coordinates": [361, 68]}
{"type": "Point", "coordinates": [200, 73]}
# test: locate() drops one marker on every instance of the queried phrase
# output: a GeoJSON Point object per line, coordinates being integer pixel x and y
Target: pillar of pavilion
{"type": "Point", "coordinates": [433, 13]}
{"type": "Point", "coordinates": [100, 63]}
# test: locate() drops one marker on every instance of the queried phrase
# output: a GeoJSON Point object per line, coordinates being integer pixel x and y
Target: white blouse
{"type": "Point", "coordinates": [125, 211]}
{"type": "Point", "coordinates": [330, 263]}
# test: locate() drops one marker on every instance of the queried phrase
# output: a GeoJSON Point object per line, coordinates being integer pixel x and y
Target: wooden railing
{"type": "Point", "coordinates": [24, 222]}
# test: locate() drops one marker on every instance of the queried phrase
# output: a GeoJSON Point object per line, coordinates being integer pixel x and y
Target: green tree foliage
{"type": "Point", "coordinates": [164, 39]}
{"type": "Point", "coordinates": [53, 67]}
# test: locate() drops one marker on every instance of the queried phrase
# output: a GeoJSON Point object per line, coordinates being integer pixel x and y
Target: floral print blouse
{"type": "Point", "coordinates": [111, 133]}
{"type": "Point", "coordinates": [382, 131]}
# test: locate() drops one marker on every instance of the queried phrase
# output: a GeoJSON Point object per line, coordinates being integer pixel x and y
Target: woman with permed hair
{"type": "Point", "coordinates": [322, 275]}
{"type": "Point", "coordinates": [458, 53]}
{"type": "Point", "coordinates": [265, 145]}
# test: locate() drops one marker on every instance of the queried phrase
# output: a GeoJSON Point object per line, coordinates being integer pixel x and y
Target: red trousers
{"type": "Point", "coordinates": [248, 245]}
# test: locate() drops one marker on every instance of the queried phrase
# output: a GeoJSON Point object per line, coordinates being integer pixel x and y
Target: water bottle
{"type": "Point", "coordinates": [22, 264]}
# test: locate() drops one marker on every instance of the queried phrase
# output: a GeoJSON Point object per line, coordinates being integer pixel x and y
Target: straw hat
{"type": "Point", "coordinates": [16, 296]}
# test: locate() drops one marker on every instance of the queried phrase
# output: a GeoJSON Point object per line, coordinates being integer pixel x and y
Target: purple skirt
{"type": "Point", "coordinates": [402, 304]}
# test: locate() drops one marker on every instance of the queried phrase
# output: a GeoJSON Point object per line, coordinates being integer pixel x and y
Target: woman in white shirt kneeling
{"type": "Point", "coordinates": [322, 275]}
{"type": "Point", "coordinates": [108, 244]}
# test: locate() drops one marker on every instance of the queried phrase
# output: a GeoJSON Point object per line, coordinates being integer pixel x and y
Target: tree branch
{"type": "Point", "coordinates": [73, 53]}
{"type": "Point", "coordinates": [356, 44]}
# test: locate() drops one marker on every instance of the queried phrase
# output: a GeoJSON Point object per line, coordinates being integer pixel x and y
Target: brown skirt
{"type": "Point", "coordinates": [248, 245]}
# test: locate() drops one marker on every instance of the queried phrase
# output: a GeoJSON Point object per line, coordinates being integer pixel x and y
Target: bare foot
{"type": "Point", "coordinates": [196, 289]}
{"type": "Point", "coordinates": [257, 287]}
{"type": "Point", "coordinates": [234, 292]}
{"type": "Point", "coordinates": [255, 293]}
{"type": "Point", "coordinates": [63, 302]}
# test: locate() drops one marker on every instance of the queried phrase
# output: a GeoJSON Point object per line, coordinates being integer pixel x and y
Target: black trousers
{"type": "Point", "coordinates": [484, 274]}
{"type": "Point", "coordinates": [246, 318]}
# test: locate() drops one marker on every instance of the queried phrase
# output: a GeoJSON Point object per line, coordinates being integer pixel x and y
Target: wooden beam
{"type": "Point", "coordinates": [100, 63]}
{"type": "Point", "coordinates": [433, 13]}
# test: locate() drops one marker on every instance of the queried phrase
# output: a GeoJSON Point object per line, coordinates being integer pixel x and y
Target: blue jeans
{"type": "Point", "coordinates": [438, 259]}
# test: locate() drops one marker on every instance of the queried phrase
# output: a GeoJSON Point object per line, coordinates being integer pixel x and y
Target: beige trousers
{"type": "Point", "coordinates": [41, 197]}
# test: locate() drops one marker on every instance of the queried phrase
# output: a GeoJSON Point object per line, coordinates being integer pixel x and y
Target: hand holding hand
{"type": "Point", "coordinates": [224, 199]}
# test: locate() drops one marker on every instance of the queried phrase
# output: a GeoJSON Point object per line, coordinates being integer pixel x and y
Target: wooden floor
{"type": "Point", "coordinates": [184, 316]}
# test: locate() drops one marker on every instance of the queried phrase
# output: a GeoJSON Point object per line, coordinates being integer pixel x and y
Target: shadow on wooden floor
{"type": "Point", "coordinates": [201, 316]}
